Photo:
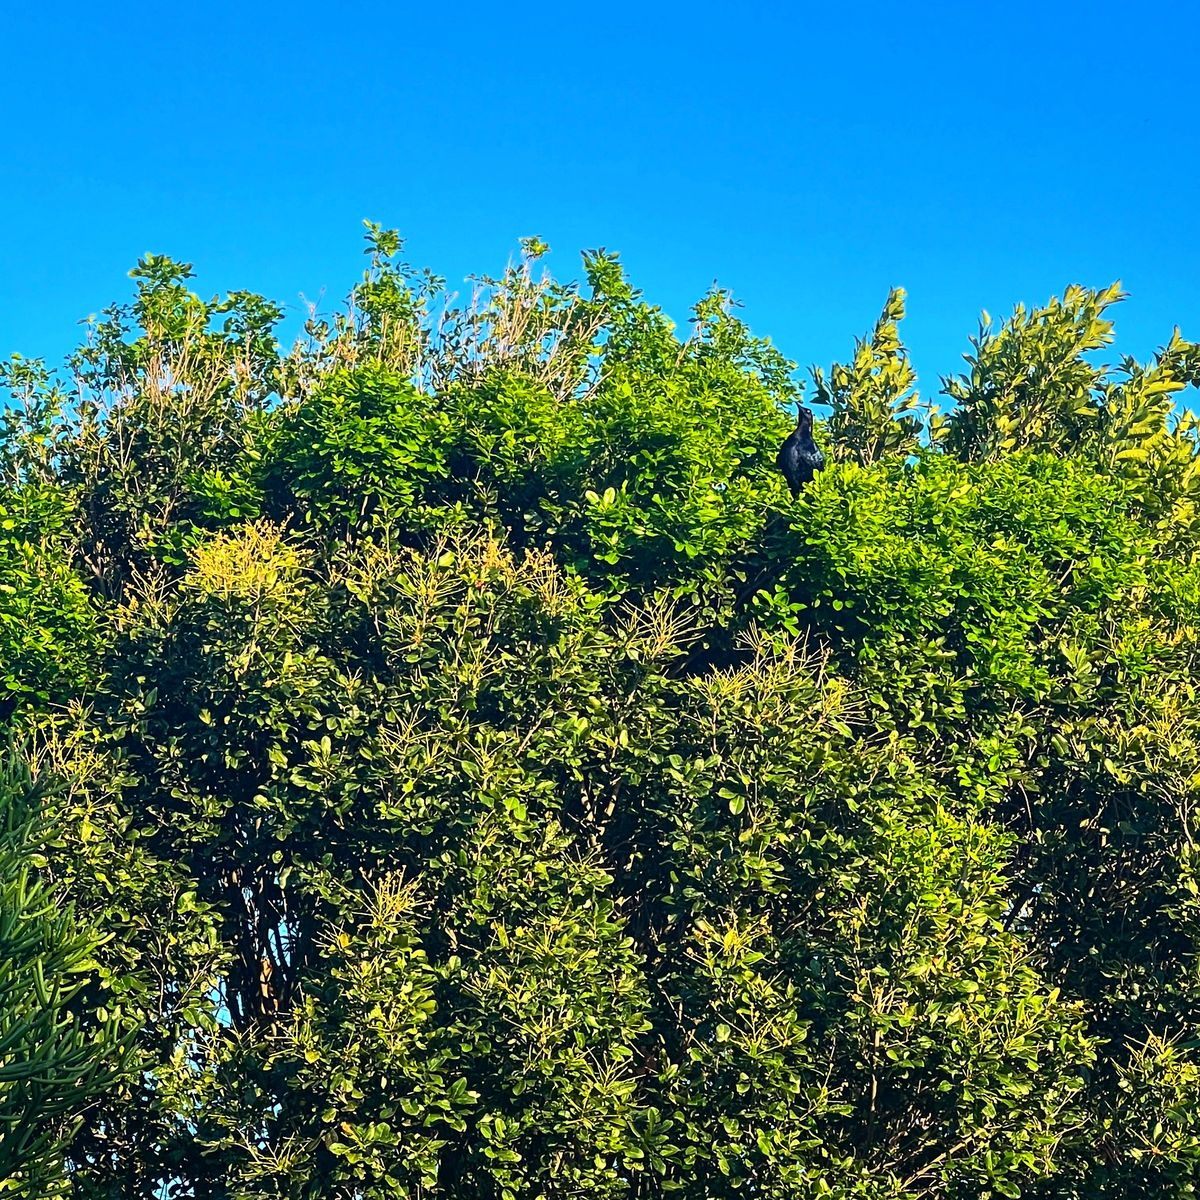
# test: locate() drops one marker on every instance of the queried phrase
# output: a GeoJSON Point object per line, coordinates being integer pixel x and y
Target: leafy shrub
{"type": "Point", "coordinates": [492, 783]}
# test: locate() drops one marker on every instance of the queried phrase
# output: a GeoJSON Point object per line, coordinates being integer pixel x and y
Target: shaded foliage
{"type": "Point", "coordinates": [55, 1061]}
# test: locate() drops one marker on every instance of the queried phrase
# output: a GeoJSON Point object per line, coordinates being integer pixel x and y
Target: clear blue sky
{"type": "Point", "coordinates": [806, 156]}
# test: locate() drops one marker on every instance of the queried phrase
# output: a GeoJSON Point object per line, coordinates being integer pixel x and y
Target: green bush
{"type": "Point", "coordinates": [491, 783]}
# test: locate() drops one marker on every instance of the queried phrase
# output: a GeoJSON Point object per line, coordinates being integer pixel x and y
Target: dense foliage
{"type": "Point", "coordinates": [54, 1061]}
{"type": "Point", "coordinates": [482, 779]}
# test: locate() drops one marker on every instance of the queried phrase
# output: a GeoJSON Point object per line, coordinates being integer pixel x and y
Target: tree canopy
{"type": "Point", "coordinates": [482, 779]}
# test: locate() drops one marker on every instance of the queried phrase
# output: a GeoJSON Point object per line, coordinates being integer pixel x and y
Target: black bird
{"type": "Point", "coordinates": [799, 457]}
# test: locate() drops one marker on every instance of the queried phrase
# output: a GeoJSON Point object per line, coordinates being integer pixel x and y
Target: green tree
{"type": "Point", "coordinates": [492, 783]}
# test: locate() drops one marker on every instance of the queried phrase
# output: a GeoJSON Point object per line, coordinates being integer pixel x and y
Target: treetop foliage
{"type": "Point", "coordinates": [468, 772]}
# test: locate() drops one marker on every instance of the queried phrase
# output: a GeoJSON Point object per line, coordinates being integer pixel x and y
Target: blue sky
{"type": "Point", "coordinates": [806, 156]}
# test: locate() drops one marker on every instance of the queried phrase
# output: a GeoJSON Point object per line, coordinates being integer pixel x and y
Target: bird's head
{"type": "Point", "coordinates": [804, 419]}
